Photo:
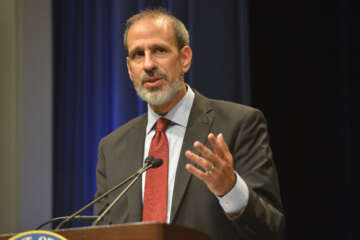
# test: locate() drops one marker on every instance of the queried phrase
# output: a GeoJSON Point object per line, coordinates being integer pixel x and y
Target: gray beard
{"type": "Point", "coordinates": [158, 96]}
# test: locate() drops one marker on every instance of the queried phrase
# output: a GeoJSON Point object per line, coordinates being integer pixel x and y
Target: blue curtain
{"type": "Point", "coordinates": [92, 91]}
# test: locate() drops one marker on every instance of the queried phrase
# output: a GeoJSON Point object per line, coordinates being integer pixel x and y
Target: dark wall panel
{"type": "Point", "coordinates": [299, 56]}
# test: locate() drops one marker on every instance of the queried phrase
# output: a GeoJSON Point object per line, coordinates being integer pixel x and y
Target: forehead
{"type": "Point", "coordinates": [151, 30]}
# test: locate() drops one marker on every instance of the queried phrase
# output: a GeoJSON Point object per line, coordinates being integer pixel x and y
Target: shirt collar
{"type": "Point", "coordinates": [179, 114]}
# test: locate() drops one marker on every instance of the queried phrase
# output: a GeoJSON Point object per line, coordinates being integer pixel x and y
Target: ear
{"type": "Point", "coordinates": [128, 65]}
{"type": "Point", "coordinates": [185, 58]}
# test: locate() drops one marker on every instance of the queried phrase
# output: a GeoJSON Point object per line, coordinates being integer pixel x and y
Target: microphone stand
{"type": "Point", "coordinates": [81, 218]}
{"type": "Point", "coordinates": [138, 174]}
{"type": "Point", "coordinates": [147, 166]}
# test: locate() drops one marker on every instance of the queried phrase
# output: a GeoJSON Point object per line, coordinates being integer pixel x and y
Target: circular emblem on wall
{"type": "Point", "coordinates": [37, 235]}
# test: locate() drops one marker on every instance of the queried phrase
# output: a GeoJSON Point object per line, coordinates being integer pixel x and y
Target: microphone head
{"type": "Point", "coordinates": [157, 163]}
{"type": "Point", "coordinates": [154, 162]}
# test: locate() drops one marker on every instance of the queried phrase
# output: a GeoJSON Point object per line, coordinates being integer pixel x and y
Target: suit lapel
{"type": "Point", "coordinates": [198, 128]}
{"type": "Point", "coordinates": [136, 142]}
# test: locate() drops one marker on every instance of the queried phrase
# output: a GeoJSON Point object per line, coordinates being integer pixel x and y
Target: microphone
{"type": "Point", "coordinates": [150, 162]}
{"type": "Point", "coordinates": [155, 162]}
{"type": "Point", "coordinates": [81, 218]}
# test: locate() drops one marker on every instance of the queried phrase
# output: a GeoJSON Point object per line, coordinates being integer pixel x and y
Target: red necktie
{"type": "Point", "coordinates": [156, 183]}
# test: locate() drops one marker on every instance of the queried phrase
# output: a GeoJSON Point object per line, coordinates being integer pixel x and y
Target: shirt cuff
{"type": "Point", "coordinates": [235, 200]}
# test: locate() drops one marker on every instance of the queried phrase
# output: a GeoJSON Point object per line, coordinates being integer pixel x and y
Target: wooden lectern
{"type": "Point", "coordinates": [133, 231]}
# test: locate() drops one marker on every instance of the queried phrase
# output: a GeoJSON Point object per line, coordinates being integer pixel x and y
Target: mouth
{"type": "Point", "coordinates": [153, 82]}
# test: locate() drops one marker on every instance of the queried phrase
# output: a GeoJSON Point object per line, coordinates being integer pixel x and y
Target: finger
{"type": "Point", "coordinates": [203, 176]}
{"type": "Point", "coordinates": [215, 145]}
{"type": "Point", "coordinates": [221, 142]}
{"type": "Point", "coordinates": [203, 163]}
{"type": "Point", "coordinates": [205, 152]}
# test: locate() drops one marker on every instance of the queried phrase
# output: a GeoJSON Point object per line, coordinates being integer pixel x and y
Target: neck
{"type": "Point", "coordinates": [166, 107]}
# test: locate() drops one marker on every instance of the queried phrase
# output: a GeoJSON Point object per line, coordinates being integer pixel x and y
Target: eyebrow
{"type": "Point", "coordinates": [155, 45]}
{"type": "Point", "coordinates": [134, 50]}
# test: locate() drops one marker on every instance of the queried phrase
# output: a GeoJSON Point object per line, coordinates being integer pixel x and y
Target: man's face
{"type": "Point", "coordinates": [155, 65]}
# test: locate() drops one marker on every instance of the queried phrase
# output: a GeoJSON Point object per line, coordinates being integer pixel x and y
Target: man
{"type": "Point", "coordinates": [218, 172]}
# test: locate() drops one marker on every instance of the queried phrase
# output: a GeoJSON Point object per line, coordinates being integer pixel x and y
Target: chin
{"type": "Point", "coordinates": [156, 97]}
{"type": "Point", "coordinates": [160, 95]}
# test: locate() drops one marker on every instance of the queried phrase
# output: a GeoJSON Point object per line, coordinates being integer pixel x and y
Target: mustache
{"type": "Point", "coordinates": [153, 73]}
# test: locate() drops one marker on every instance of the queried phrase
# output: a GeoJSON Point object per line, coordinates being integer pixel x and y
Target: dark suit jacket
{"type": "Point", "coordinates": [245, 131]}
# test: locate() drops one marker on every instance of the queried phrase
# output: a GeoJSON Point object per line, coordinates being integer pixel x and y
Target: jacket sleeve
{"type": "Point", "coordinates": [263, 217]}
{"type": "Point", "coordinates": [101, 185]}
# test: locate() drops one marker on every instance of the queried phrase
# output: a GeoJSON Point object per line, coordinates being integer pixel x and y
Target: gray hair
{"type": "Point", "coordinates": [181, 33]}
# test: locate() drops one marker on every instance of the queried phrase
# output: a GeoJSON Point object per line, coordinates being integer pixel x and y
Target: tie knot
{"type": "Point", "coordinates": [162, 124]}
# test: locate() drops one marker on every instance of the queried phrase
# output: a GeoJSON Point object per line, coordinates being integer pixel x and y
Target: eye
{"type": "Point", "coordinates": [137, 54]}
{"type": "Point", "coordinates": [160, 50]}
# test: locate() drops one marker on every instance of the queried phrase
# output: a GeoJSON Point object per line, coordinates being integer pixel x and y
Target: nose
{"type": "Point", "coordinates": [149, 63]}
